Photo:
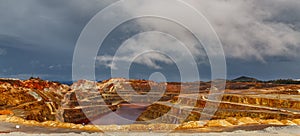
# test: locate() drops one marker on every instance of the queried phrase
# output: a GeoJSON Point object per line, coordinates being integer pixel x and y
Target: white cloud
{"type": "Point", "coordinates": [148, 49]}
{"type": "Point", "coordinates": [248, 29]}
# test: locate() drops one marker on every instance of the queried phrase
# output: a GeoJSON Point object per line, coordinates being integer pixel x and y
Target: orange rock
{"type": "Point", "coordinates": [218, 123]}
{"type": "Point", "coordinates": [193, 124]}
{"type": "Point", "coordinates": [288, 122]}
{"type": "Point", "coordinates": [272, 122]}
{"type": "Point", "coordinates": [6, 112]}
{"type": "Point", "coordinates": [247, 120]}
{"type": "Point", "coordinates": [297, 121]}
{"type": "Point", "coordinates": [232, 120]}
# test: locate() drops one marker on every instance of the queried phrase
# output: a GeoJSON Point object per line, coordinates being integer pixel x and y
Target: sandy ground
{"type": "Point", "coordinates": [272, 131]}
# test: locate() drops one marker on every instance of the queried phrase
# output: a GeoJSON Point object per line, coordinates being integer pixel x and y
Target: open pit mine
{"type": "Point", "coordinates": [148, 105]}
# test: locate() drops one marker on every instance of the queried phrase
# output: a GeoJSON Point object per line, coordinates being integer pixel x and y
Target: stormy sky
{"type": "Point", "coordinates": [260, 38]}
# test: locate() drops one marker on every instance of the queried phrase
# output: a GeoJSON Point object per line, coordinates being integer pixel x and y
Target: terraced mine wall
{"type": "Point", "coordinates": [84, 101]}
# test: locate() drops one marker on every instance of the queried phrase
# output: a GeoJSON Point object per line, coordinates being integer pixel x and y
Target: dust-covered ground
{"type": "Point", "coordinates": [271, 131]}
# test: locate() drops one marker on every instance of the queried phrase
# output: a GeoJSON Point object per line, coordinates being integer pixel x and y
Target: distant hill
{"type": "Point", "coordinates": [245, 79]}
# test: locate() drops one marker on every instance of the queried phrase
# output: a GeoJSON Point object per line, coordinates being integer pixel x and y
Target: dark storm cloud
{"type": "Point", "coordinates": [50, 24]}
{"type": "Point", "coordinates": [258, 34]}
{"type": "Point", "coordinates": [260, 37]}
{"type": "Point", "coordinates": [42, 31]}
{"type": "Point", "coordinates": [15, 42]}
{"type": "Point", "coordinates": [249, 29]}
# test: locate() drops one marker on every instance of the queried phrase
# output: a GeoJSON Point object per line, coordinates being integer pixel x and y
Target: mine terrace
{"type": "Point", "coordinates": [37, 102]}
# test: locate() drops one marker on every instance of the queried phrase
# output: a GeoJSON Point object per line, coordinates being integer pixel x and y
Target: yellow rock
{"type": "Point", "coordinates": [31, 122]}
{"type": "Point", "coordinates": [297, 121]}
{"type": "Point", "coordinates": [272, 122]}
{"type": "Point", "coordinates": [3, 117]}
{"type": "Point", "coordinates": [50, 124]}
{"type": "Point", "coordinates": [258, 120]}
{"type": "Point", "coordinates": [66, 125]}
{"type": "Point", "coordinates": [288, 122]}
{"type": "Point", "coordinates": [247, 121]}
{"type": "Point", "coordinates": [90, 128]}
{"type": "Point", "coordinates": [202, 123]}
{"type": "Point", "coordinates": [15, 119]}
{"type": "Point", "coordinates": [77, 126]}
{"type": "Point", "coordinates": [193, 124]}
{"type": "Point", "coordinates": [232, 120]}
{"type": "Point", "coordinates": [218, 123]}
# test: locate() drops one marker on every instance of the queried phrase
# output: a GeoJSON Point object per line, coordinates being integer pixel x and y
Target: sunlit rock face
{"type": "Point", "coordinates": [240, 100]}
{"type": "Point", "coordinates": [169, 103]}
{"type": "Point", "coordinates": [33, 99]}
{"type": "Point", "coordinates": [87, 100]}
{"type": "Point", "coordinates": [84, 102]}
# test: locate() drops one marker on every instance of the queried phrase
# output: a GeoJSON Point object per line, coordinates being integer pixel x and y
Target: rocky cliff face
{"type": "Point", "coordinates": [170, 103]}
{"type": "Point", "coordinates": [32, 99]}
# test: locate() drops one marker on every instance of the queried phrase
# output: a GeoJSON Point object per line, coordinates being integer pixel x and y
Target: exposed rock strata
{"type": "Point", "coordinates": [244, 103]}
{"type": "Point", "coordinates": [32, 99]}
